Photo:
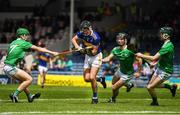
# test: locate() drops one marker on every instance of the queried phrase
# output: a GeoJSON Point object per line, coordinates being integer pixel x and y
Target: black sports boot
{"type": "Point", "coordinates": [173, 90]}
{"type": "Point", "coordinates": [111, 100]}
{"type": "Point", "coordinates": [103, 82]}
{"type": "Point", "coordinates": [13, 97]}
{"type": "Point", "coordinates": [129, 87]}
{"type": "Point", "coordinates": [33, 96]}
{"type": "Point", "coordinates": [94, 101]}
{"type": "Point", "coordinates": [154, 103]}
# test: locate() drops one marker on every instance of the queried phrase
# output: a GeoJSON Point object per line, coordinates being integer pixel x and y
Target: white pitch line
{"type": "Point", "coordinates": [79, 99]}
{"type": "Point", "coordinates": [94, 112]}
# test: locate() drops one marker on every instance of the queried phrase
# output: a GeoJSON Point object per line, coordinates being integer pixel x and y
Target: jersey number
{"type": "Point", "coordinates": [12, 48]}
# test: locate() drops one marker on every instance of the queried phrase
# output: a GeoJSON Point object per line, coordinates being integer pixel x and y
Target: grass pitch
{"type": "Point", "coordinates": [77, 100]}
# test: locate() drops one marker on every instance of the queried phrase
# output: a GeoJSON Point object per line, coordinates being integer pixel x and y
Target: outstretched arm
{"type": "Point", "coordinates": [151, 58]}
{"type": "Point", "coordinates": [108, 58]}
{"type": "Point", "coordinates": [40, 49]}
{"type": "Point", "coordinates": [138, 73]}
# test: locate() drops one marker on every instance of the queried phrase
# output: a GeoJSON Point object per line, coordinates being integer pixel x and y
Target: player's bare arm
{"type": "Point", "coordinates": [138, 73]}
{"type": "Point", "coordinates": [74, 41]}
{"type": "Point", "coordinates": [151, 58]}
{"type": "Point", "coordinates": [44, 50]}
{"type": "Point", "coordinates": [108, 58]}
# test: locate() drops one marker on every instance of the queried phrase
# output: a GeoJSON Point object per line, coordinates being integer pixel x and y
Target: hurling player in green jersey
{"type": "Point", "coordinates": [165, 65]}
{"type": "Point", "coordinates": [126, 57]}
{"type": "Point", "coordinates": [16, 53]}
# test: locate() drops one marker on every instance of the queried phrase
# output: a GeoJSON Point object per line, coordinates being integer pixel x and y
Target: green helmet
{"type": "Point", "coordinates": [22, 31]}
{"type": "Point", "coordinates": [166, 30]}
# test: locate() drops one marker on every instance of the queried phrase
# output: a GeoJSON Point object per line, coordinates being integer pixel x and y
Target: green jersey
{"type": "Point", "coordinates": [126, 58]}
{"type": "Point", "coordinates": [16, 51]}
{"type": "Point", "coordinates": [166, 57]}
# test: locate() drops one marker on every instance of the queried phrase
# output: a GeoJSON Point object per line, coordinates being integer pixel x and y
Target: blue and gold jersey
{"type": "Point", "coordinates": [89, 40]}
{"type": "Point", "coordinates": [43, 59]}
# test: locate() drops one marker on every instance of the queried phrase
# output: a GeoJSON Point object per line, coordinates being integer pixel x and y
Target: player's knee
{"type": "Point", "coordinates": [86, 79]}
{"type": "Point", "coordinates": [113, 87]}
{"type": "Point", "coordinates": [30, 79]}
{"type": "Point", "coordinates": [92, 78]}
{"type": "Point", "coordinates": [149, 87]}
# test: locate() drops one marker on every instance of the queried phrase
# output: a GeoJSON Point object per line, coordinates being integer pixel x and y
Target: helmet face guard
{"type": "Point", "coordinates": [122, 35]}
{"type": "Point", "coordinates": [85, 25]}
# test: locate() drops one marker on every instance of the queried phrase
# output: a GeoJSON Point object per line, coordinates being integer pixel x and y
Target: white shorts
{"type": "Point", "coordinates": [162, 74]}
{"type": "Point", "coordinates": [10, 71]}
{"type": "Point", "coordinates": [124, 77]}
{"type": "Point", "coordinates": [42, 69]}
{"type": "Point", "coordinates": [93, 61]}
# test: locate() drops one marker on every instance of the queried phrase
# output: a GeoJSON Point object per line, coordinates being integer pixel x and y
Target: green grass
{"type": "Point", "coordinates": [77, 100]}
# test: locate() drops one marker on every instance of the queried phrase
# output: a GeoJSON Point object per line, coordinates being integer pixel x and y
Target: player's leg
{"type": "Point", "coordinates": [151, 90]}
{"type": "Point", "coordinates": [102, 80]}
{"type": "Point", "coordinates": [123, 79]}
{"type": "Point", "coordinates": [20, 75]}
{"type": "Point", "coordinates": [42, 75]}
{"type": "Point", "coordinates": [171, 87]}
{"type": "Point", "coordinates": [31, 96]}
{"type": "Point", "coordinates": [165, 76]}
{"type": "Point", "coordinates": [153, 77]}
{"type": "Point", "coordinates": [154, 82]}
{"type": "Point", "coordinates": [129, 86]}
{"type": "Point", "coordinates": [115, 92]}
{"type": "Point", "coordinates": [25, 79]}
{"type": "Point", "coordinates": [95, 63]}
{"type": "Point", "coordinates": [87, 69]}
{"type": "Point", "coordinates": [86, 74]}
{"type": "Point", "coordinates": [99, 79]}
{"type": "Point", "coordinates": [93, 74]}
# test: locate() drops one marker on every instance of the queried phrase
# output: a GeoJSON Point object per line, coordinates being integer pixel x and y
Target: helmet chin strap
{"type": "Point", "coordinates": [23, 37]}
{"type": "Point", "coordinates": [166, 36]}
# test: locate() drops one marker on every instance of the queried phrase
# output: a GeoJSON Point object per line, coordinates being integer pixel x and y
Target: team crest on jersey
{"type": "Point", "coordinates": [123, 55]}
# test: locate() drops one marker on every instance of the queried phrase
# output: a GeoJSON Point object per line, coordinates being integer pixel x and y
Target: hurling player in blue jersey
{"type": "Point", "coordinates": [43, 60]}
{"type": "Point", "coordinates": [93, 56]}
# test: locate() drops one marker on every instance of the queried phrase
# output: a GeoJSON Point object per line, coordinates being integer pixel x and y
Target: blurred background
{"type": "Point", "coordinates": [54, 22]}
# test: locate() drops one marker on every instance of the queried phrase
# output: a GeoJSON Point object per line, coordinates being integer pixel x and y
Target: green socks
{"type": "Point", "coordinates": [168, 86]}
{"type": "Point", "coordinates": [29, 95]}
{"type": "Point", "coordinates": [17, 92]}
